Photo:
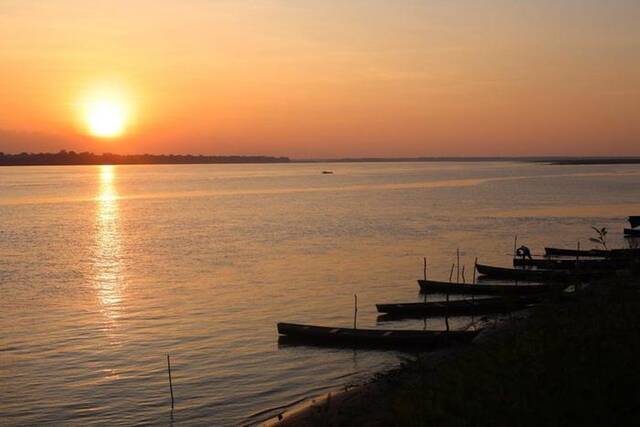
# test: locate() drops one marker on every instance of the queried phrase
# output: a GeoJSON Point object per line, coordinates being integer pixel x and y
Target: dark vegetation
{"type": "Point", "coordinates": [599, 161]}
{"type": "Point", "coordinates": [571, 364]}
{"type": "Point", "coordinates": [85, 158]}
{"type": "Point", "coordinates": [65, 157]}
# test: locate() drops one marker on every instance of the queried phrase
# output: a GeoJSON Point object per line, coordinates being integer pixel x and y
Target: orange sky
{"type": "Point", "coordinates": [325, 78]}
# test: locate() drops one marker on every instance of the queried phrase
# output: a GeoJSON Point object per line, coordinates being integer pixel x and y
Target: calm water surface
{"type": "Point", "coordinates": [103, 270]}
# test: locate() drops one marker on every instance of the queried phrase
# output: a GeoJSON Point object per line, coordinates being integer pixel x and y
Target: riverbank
{"type": "Point", "coordinates": [566, 363]}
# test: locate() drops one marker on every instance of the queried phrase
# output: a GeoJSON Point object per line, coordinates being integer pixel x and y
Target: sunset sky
{"type": "Point", "coordinates": [321, 78]}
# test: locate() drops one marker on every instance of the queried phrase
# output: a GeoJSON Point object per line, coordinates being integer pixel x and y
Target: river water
{"type": "Point", "coordinates": [106, 269]}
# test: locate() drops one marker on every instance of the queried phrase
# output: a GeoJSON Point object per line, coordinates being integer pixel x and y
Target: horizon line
{"type": "Point", "coordinates": [64, 157]}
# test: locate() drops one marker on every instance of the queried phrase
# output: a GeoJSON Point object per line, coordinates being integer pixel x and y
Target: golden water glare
{"type": "Point", "coordinates": [107, 263]}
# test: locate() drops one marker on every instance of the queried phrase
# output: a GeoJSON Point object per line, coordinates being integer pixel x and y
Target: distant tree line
{"type": "Point", "coordinates": [64, 157]}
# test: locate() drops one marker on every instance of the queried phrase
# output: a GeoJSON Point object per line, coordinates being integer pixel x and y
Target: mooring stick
{"type": "Point", "coordinates": [170, 383]}
{"type": "Point", "coordinates": [577, 285]}
{"type": "Point", "coordinates": [446, 320]}
{"type": "Point", "coordinates": [425, 268]}
{"type": "Point", "coordinates": [451, 272]}
{"type": "Point", "coordinates": [475, 266]}
{"type": "Point", "coordinates": [355, 311]}
{"type": "Point", "coordinates": [458, 265]}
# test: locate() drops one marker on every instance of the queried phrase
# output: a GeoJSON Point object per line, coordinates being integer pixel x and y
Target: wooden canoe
{"type": "Point", "coordinates": [632, 232]}
{"type": "Point", "coordinates": [570, 264]}
{"type": "Point", "coordinates": [593, 253]}
{"type": "Point", "coordinates": [457, 307]}
{"type": "Point", "coordinates": [434, 287]}
{"type": "Point", "coordinates": [537, 275]}
{"type": "Point", "coordinates": [634, 221]}
{"type": "Point", "coordinates": [597, 253]}
{"type": "Point", "coordinates": [372, 337]}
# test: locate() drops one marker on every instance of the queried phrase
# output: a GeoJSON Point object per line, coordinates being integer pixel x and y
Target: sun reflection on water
{"type": "Point", "coordinates": [107, 259]}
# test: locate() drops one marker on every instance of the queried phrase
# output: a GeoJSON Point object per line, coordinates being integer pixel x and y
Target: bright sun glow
{"type": "Point", "coordinates": [105, 109]}
{"type": "Point", "coordinates": [106, 118]}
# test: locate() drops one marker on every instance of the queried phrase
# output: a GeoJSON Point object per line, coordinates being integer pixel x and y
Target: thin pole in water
{"type": "Point", "coordinates": [451, 272]}
{"type": "Point", "coordinates": [515, 245]}
{"type": "Point", "coordinates": [355, 311]}
{"type": "Point", "coordinates": [577, 285]}
{"type": "Point", "coordinates": [170, 383]}
{"type": "Point", "coordinates": [458, 265]}
{"type": "Point", "coordinates": [446, 318]}
{"type": "Point", "coordinates": [475, 266]}
{"type": "Point", "coordinates": [425, 268]}
{"type": "Point", "coordinates": [463, 279]}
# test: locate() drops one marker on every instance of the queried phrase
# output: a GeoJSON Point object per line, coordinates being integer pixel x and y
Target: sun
{"type": "Point", "coordinates": [105, 109]}
{"type": "Point", "coordinates": [105, 118]}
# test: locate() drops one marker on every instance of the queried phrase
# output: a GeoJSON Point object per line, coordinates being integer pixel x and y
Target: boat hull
{"type": "Point", "coordinates": [538, 275]}
{"type": "Point", "coordinates": [457, 307]}
{"type": "Point", "coordinates": [632, 232]}
{"type": "Point", "coordinates": [430, 286]}
{"type": "Point", "coordinates": [521, 274]}
{"type": "Point", "coordinates": [593, 253]}
{"type": "Point", "coordinates": [372, 337]}
{"type": "Point", "coordinates": [569, 264]}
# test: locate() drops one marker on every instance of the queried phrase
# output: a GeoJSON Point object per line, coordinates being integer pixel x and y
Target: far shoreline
{"type": "Point", "coordinates": [72, 158]}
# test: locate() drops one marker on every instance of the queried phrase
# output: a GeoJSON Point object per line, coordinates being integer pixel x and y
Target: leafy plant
{"type": "Point", "coordinates": [601, 239]}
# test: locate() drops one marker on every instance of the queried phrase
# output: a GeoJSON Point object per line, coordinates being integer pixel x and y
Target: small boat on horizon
{"type": "Point", "coordinates": [394, 338]}
{"type": "Point", "coordinates": [327, 172]}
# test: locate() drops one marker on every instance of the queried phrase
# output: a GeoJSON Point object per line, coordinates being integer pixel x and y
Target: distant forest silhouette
{"type": "Point", "coordinates": [64, 157]}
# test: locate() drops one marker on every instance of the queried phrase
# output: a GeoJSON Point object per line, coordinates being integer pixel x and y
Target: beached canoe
{"type": "Point", "coordinates": [593, 253]}
{"type": "Point", "coordinates": [559, 252]}
{"type": "Point", "coordinates": [434, 287]}
{"type": "Point", "coordinates": [570, 263]}
{"type": "Point", "coordinates": [632, 232]}
{"type": "Point", "coordinates": [521, 273]}
{"type": "Point", "coordinates": [634, 221]}
{"type": "Point", "coordinates": [537, 275]}
{"type": "Point", "coordinates": [457, 307]}
{"type": "Point", "coordinates": [372, 337]}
